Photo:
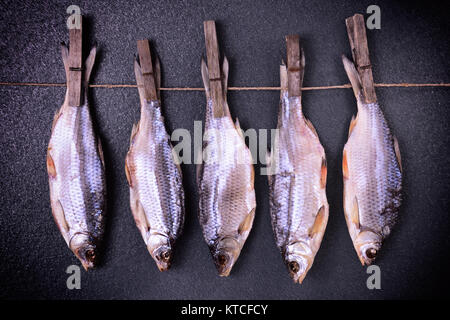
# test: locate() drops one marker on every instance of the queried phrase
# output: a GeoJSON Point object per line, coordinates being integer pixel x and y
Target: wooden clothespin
{"type": "Point", "coordinates": [294, 65]}
{"type": "Point", "coordinates": [356, 30]}
{"type": "Point", "coordinates": [75, 76]}
{"type": "Point", "coordinates": [145, 60]}
{"type": "Point", "coordinates": [215, 78]}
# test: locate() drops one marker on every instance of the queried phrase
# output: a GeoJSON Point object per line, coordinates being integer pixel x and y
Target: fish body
{"type": "Point", "coordinates": [297, 178]}
{"type": "Point", "coordinates": [372, 175]}
{"type": "Point", "coordinates": [155, 180]}
{"type": "Point", "coordinates": [77, 176]}
{"type": "Point", "coordinates": [225, 183]}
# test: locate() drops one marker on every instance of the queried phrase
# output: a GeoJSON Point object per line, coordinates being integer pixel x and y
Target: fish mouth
{"type": "Point", "coordinates": [87, 256]}
{"type": "Point", "coordinates": [83, 246]}
{"type": "Point", "coordinates": [225, 254]}
{"type": "Point", "coordinates": [163, 257]}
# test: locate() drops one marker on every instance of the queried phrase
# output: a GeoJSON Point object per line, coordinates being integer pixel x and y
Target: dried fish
{"type": "Point", "coordinates": [225, 182]}
{"type": "Point", "coordinates": [372, 173]}
{"type": "Point", "coordinates": [297, 179]}
{"type": "Point", "coordinates": [155, 180]}
{"type": "Point", "coordinates": [76, 174]}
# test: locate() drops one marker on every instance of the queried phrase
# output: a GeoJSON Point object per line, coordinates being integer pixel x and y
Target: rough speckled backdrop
{"type": "Point", "coordinates": [412, 46]}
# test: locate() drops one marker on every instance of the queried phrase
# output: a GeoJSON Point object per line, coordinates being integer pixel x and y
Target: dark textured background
{"type": "Point", "coordinates": [412, 46]}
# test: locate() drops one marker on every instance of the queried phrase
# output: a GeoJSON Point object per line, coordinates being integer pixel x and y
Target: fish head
{"type": "Point", "coordinates": [299, 258]}
{"type": "Point", "coordinates": [160, 249]}
{"type": "Point", "coordinates": [367, 245]}
{"type": "Point", "coordinates": [84, 248]}
{"type": "Point", "coordinates": [225, 252]}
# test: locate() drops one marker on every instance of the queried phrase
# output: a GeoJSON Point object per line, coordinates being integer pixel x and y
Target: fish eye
{"type": "Point", "coordinates": [293, 266]}
{"type": "Point", "coordinates": [371, 253]}
{"type": "Point", "coordinates": [165, 255]}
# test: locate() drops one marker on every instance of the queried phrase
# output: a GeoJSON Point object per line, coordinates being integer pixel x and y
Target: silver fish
{"type": "Point", "coordinates": [225, 183]}
{"type": "Point", "coordinates": [372, 173]}
{"type": "Point", "coordinates": [76, 174]}
{"type": "Point", "coordinates": [297, 179]}
{"type": "Point", "coordinates": [154, 177]}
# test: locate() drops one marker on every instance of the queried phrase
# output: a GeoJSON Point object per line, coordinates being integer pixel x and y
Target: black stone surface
{"type": "Point", "coordinates": [412, 46]}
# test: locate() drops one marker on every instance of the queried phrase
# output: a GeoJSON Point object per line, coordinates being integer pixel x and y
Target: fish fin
{"type": "Point", "coordinates": [199, 166]}
{"type": "Point", "coordinates": [100, 151]}
{"type": "Point", "coordinates": [353, 76]}
{"type": "Point", "coordinates": [128, 172]}
{"type": "Point", "coordinates": [50, 165]}
{"type": "Point", "coordinates": [252, 177]}
{"type": "Point", "coordinates": [354, 214]}
{"type": "Point", "coordinates": [225, 69]}
{"type": "Point", "coordinates": [247, 223]}
{"type": "Point", "coordinates": [60, 219]}
{"type": "Point", "coordinates": [55, 118]}
{"type": "Point", "coordinates": [65, 58]}
{"type": "Point", "coordinates": [139, 79]}
{"type": "Point", "coordinates": [310, 125]}
{"type": "Point", "coordinates": [268, 158]}
{"type": "Point", "coordinates": [176, 159]}
{"type": "Point", "coordinates": [352, 125]}
{"type": "Point", "coordinates": [89, 63]}
{"type": "Point", "coordinates": [205, 77]}
{"type": "Point", "coordinates": [283, 79]}
{"type": "Point", "coordinates": [323, 173]}
{"type": "Point", "coordinates": [238, 128]}
{"type": "Point", "coordinates": [134, 131]}
{"type": "Point", "coordinates": [345, 165]}
{"type": "Point", "coordinates": [199, 173]}
{"type": "Point", "coordinates": [158, 76]}
{"type": "Point", "coordinates": [140, 218]}
{"type": "Point", "coordinates": [397, 153]}
{"type": "Point", "coordinates": [269, 166]}
{"type": "Point", "coordinates": [319, 222]}
{"type": "Point", "coordinates": [237, 124]}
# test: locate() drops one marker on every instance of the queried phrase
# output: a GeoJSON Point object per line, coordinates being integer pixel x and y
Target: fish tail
{"type": "Point", "coordinates": [225, 70]}
{"type": "Point", "coordinates": [353, 77]}
{"type": "Point", "coordinates": [205, 77]}
{"type": "Point", "coordinates": [302, 66]}
{"type": "Point", "coordinates": [88, 64]}
{"type": "Point", "coordinates": [65, 58]}
{"type": "Point", "coordinates": [295, 68]}
{"type": "Point", "coordinates": [224, 80]}
{"type": "Point", "coordinates": [139, 80]}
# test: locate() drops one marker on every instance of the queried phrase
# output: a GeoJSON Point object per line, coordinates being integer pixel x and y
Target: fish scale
{"type": "Point", "coordinates": [370, 187]}
{"type": "Point", "coordinates": [155, 170]}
